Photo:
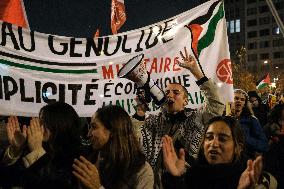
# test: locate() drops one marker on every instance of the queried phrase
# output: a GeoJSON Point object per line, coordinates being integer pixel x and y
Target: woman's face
{"type": "Point", "coordinates": [98, 133]}
{"type": "Point", "coordinates": [140, 111]}
{"type": "Point", "coordinates": [218, 143]}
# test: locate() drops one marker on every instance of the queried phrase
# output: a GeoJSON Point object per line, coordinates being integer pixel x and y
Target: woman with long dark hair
{"type": "Point", "coordinates": [220, 163]}
{"type": "Point", "coordinates": [121, 163]}
{"type": "Point", "coordinates": [53, 141]}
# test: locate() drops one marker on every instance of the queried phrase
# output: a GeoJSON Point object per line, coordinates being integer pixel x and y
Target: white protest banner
{"type": "Point", "coordinates": [37, 68]}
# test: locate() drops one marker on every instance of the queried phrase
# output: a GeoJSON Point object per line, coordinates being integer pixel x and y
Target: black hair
{"type": "Point", "coordinates": [237, 135]}
{"type": "Point", "coordinates": [63, 123]}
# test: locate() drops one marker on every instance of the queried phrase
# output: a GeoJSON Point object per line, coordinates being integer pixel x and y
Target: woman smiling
{"type": "Point", "coordinates": [121, 163]}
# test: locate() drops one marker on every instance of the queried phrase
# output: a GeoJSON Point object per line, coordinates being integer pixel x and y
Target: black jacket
{"type": "Point", "coordinates": [47, 172]}
{"type": "Point", "coordinates": [220, 176]}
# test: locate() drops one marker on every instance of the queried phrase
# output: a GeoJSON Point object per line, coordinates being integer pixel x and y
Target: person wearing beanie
{"type": "Point", "coordinates": [260, 110]}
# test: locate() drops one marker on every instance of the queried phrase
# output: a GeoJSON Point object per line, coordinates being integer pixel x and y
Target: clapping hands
{"type": "Point", "coordinates": [16, 136]}
{"type": "Point", "coordinates": [251, 175]}
{"type": "Point", "coordinates": [87, 173]}
{"type": "Point", "coordinates": [35, 134]}
{"type": "Point", "coordinates": [174, 164]}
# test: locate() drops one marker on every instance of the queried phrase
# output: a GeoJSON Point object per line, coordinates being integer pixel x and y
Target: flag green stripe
{"type": "Point", "coordinates": [50, 70]}
{"type": "Point", "coordinates": [208, 38]}
{"type": "Point", "coordinates": [204, 18]}
{"type": "Point", "coordinates": [262, 85]}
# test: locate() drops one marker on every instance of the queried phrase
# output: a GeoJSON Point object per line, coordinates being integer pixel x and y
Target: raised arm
{"type": "Point", "coordinates": [16, 138]}
{"type": "Point", "coordinates": [34, 139]}
{"type": "Point", "coordinates": [213, 105]}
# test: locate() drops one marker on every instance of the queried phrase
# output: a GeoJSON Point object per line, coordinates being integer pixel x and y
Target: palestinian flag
{"type": "Point", "coordinates": [263, 82]}
{"type": "Point", "coordinates": [13, 11]}
{"type": "Point", "coordinates": [206, 22]}
{"type": "Point", "coordinates": [209, 44]}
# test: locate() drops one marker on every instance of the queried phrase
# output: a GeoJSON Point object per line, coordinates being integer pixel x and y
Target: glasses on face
{"type": "Point", "coordinates": [175, 91]}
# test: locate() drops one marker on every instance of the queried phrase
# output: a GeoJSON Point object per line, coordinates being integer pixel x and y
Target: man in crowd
{"type": "Point", "coordinates": [260, 110]}
{"type": "Point", "coordinates": [185, 126]}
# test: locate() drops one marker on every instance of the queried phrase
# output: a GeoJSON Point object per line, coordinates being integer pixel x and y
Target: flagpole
{"type": "Point", "coordinates": [198, 62]}
{"type": "Point", "coordinates": [276, 16]}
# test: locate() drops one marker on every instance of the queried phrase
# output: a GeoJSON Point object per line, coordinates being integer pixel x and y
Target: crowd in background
{"type": "Point", "coordinates": [176, 148]}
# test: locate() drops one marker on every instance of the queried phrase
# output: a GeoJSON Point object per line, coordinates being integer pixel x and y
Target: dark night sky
{"type": "Point", "coordinates": [82, 18]}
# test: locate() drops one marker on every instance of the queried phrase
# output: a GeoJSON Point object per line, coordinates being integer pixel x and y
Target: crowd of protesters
{"type": "Point", "coordinates": [176, 148]}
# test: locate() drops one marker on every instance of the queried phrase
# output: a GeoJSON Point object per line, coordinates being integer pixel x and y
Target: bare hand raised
{"type": "Point", "coordinates": [190, 64]}
{"type": "Point", "coordinates": [35, 134]}
{"type": "Point", "coordinates": [16, 137]}
{"type": "Point", "coordinates": [251, 175]}
{"type": "Point", "coordinates": [175, 165]}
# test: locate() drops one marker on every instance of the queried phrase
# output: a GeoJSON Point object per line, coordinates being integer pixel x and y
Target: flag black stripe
{"type": "Point", "coordinates": [51, 70]}
{"type": "Point", "coordinates": [45, 62]}
{"type": "Point", "coordinates": [262, 78]}
{"type": "Point", "coordinates": [204, 18]}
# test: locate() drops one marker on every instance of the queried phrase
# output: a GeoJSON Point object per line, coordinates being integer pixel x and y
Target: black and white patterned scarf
{"type": "Point", "coordinates": [186, 126]}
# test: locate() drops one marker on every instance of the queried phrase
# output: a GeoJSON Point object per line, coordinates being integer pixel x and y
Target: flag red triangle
{"type": "Point", "coordinates": [267, 79]}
